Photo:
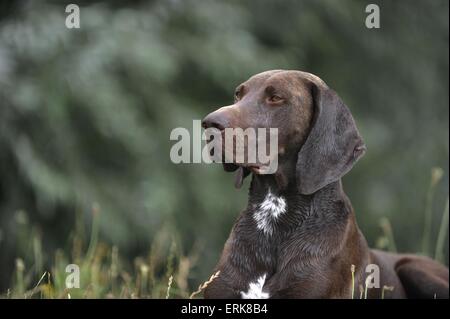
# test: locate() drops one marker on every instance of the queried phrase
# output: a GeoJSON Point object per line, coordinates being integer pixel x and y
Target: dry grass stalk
{"type": "Point", "coordinates": [204, 285]}
{"type": "Point", "coordinates": [386, 288]}
{"type": "Point", "coordinates": [169, 285]}
{"type": "Point", "coordinates": [352, 268]}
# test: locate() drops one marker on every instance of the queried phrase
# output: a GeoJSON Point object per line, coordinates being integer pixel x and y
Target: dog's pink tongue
{"type": "Point", "coordinates": [239, 179]}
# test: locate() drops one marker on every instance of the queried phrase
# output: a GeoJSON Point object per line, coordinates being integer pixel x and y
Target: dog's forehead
{"type": "Point", "coordinates": [284, 78]}
{"type": "Point", "coordinates": [260, 78]}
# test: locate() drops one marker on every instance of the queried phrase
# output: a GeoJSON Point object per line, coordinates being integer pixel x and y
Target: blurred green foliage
{"type": "Point", "coordinates": [85, 116]}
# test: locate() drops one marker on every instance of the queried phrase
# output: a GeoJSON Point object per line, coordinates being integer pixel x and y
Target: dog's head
{"type": "Point", "coordinates": [318, 141]}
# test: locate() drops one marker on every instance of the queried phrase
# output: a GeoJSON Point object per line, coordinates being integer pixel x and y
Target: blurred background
{"type": "Point", "coordinates": [86, 114]}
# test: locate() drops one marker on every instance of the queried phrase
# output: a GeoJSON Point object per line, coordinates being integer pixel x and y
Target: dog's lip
{"type": "Point", "coordinates": [255, 168]}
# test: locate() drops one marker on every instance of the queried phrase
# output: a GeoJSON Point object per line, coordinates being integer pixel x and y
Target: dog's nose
{"type": "Point", "coordinates": [215, 120]}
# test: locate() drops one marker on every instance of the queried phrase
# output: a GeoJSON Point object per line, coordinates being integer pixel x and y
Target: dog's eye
{"type": "Point", "coordinates": [275, 98]}
{"type": "Point", "coordinates": [238, 94]}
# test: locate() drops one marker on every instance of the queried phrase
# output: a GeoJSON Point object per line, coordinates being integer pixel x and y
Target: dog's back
{"type": "Point", "coordinates": [412, 276]}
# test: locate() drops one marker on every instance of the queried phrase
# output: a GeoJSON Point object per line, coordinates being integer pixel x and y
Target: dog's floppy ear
{"type": "Point", "coordinates": [333, 144]}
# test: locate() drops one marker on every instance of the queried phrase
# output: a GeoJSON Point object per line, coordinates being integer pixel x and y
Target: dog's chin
{"type": "Point", "coordinates": [281, 176]}
{"type": "Point", "coordinates": [242, 171]}
{"type": "Point", "coordinates": [230, 167]}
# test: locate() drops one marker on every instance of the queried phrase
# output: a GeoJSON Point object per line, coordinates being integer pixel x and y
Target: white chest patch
{"type": "Point", "coordinates": [255, 289]}
{"type": "Point", "coordinates": [268, 211]}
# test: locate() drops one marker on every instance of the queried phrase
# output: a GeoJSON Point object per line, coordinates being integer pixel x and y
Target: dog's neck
{"type": "Point", "coordinates": [263, 186]}
{"type": "Point", "coordinates": [282, 209]}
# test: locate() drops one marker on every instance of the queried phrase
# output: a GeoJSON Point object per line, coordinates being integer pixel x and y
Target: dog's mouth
{"type": "Point", "coordinates": [242, 169]}
{"type": "Point", "coordinates": [231, 164]}
{"type": "Point", "coordinates": [254, 168]}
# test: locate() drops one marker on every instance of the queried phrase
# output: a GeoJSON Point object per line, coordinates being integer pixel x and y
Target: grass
{"type": "Point", "coordinates": [436, 176]}
{"type": "Point", "coordinates": [388, 234]}
{"type": "Point", "coordinates": [353, 281]}
{"type": "Point", "coordinates": [443, 231]}
{"type": "Point", "coordinates": [164, 273]}
{"type": "Point", "coordinates": [387, 240]}
{"type": "Point", "coordinates": [204, 285]}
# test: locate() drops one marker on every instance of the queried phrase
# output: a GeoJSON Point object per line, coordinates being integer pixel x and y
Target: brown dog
{"type": "Point", "coordinates": [298, 237]}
